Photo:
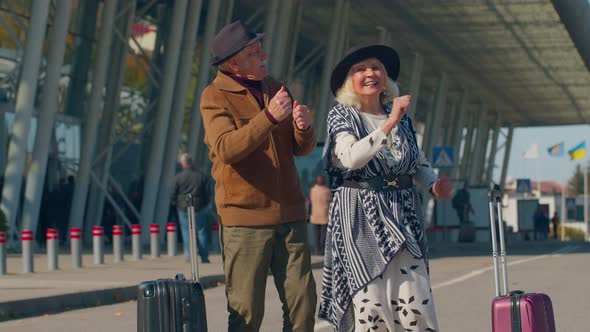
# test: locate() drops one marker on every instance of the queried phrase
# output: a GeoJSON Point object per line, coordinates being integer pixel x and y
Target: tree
{"type": "Point", "coordinates": [575, 185]}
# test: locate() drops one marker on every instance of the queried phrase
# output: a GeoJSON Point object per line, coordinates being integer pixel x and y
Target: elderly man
{"type": "Point", "coordinates": [254, 129]}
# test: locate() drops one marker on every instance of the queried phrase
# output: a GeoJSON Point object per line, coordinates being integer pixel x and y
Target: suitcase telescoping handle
{"type": "Point", "coordinates": [192, 231]}
{"type": "Point", "coordinates": [495, 201]}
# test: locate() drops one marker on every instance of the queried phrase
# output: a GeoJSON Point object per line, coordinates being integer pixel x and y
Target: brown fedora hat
{"type": "Point", "coordinates": [231, 39]}
{"type": "Point", "coordinates": [387, 55]}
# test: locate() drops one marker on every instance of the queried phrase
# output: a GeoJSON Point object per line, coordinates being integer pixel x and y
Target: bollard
{"type": "Point", "coordinates": [136, 241]}
{"type": "Point", "coordinates": [76, 246]}
{"type": "Point", "coordinates": [2, 254]}
{"type": "Point", "coordinates": [171, 234]}
{"type": "Point", "coordinates": [27, 248]}
{"type": "Point", "coordinates": [155, 240]}
{"type": "Point", "coordinates": [52, 238]}
{"type": "Point", "coordinates": [118, 243]}
{"type": "Point", "coordinates": [97, 244]}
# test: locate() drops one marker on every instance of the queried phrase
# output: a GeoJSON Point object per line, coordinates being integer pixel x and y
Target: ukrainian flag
{"type": "Point", "coordinates": [578, 152]}
{"type": "Point", "coordinates": [556, 150]}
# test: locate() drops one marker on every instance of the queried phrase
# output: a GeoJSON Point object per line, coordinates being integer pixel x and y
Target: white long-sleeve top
{"type": "Point", "coordinates": [352, 154]}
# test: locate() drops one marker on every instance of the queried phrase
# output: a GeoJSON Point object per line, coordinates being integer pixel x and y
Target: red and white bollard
{"type": "Point", "coordinates": [27, 248]}
{"type": "Point", "coordinates": [155, 240]}
{"type": "Point", "coordinates": [98, 244]}
{"type": "Point", "coordinates": [136, 241]}
{"type": "Point", "coordinates": [171, 238]}
{"type": "Point", "coordinates": [2, 253]}
{"type": "Point", "coordinates": [118, 243]}
{"type": "Point", "coordinates": [52, 238]}
{"type": "Point", "coordinates": [76, 246]}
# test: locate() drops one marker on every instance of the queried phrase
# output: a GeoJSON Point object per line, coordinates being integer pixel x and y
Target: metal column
{"type": "Point", "coordinates": [118, 62]}
{"type": "Point", "coordinates": [46, 120]}
{"type": "Point", "coordinates": [415, 81]}
{"type": "Point", "coordinates": [25, 103]}
{"type": "Point", "coordinates": [81, 62]}
{"type": "Point", "coordinates": [196, 147]}
{"type": "Point", "coordinates": [93, 115]}
{"type": "Point", "coordinates": [329, 61]}
{"type": "Point", "coordinates": [154, 167]}
{"type": "Point", "coordinates": [460, 126]}
{"type": "Point", "coordinates": [426, 132]}
{"type": "Point", "coordinates": [272, 16]}
{"type": "Point", "coordinates": [493, 148]}
{"type": "Point", "coordinates": [507, 148]}
{"type": "Point", "coordinates": [189, 42]}
{"type": "Point", "coordinates": [282, 42]}
{"type": "Point", "coordinates": [468, 147]}
{"type": "Point", "coordinates": [479, 146]}
{"type": "Point", "coordinates": [440, 104]}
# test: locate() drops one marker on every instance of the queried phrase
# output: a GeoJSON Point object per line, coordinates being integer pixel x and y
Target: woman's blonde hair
{"type": "Point", "coordinates": [346, 95]}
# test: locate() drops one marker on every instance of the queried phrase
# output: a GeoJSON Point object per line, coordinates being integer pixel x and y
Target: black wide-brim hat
{"type": "Point", "coordinates": [231, 39]}
{"type": "Point", "coordinates": [387, 55]}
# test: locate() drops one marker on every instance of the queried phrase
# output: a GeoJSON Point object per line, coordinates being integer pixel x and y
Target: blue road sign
{"type": "Point", "coordinates": [443, 157]}
{"type": "Point", "coordinates": [523, 185]}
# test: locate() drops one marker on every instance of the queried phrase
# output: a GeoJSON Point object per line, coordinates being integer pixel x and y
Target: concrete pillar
{"type": "Point", "coordinates": [46, 118]}
{"type": "Point", "coordinates": [25, 103]}
{"type": "Point", "coordinates": [196, 147]}
{"type": "Point", "coordinates": [440, 104]}
{"type": "Point", "coordinates": [451, 123]}
{"type": "Point", "coordinates": [493, 149]}
{"type": "Point", "coordinates": [178, 110]}
{"type": "Point", "coordinates": [479, 146]}
{"type": "Point", "coordinates": [93, 115]}
{"type": "Point", "coordinates": [76, 95]}
{"type": "Point", "coordinates": [415, 80]}
{"type": "Point", "coordinates": [154, 167]}
{"type": "Point", "coordinates": [326, 97]}
{"type": "Point", "coordinates": [506, 159]}
{"type": "Point", "coordinates": [106, 137]}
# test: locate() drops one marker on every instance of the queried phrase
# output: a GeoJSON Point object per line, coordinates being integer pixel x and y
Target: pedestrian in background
{"type": "Point", "coordinates": [319, 199]}
{"type": "Point", "coordinates": [555, 223]}
{"type": "Point", "coordinates": [192, 181]}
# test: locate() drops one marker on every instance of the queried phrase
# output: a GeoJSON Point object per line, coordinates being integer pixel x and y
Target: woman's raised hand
{"type": "Point", "coordinates": [399, 108]}
{"type": "Point", "coordinates": [442, 188]}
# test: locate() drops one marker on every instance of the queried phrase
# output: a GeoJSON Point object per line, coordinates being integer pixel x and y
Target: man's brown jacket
{"type": "Point", "coordinates": [253, 159]}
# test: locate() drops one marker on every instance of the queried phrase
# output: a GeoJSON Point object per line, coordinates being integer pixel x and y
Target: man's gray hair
{"type": "Point", "coordinates": [186, 159]}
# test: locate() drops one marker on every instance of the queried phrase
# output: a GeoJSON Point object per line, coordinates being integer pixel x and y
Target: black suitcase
{"type": "Point", "coordinates": [174, 304]}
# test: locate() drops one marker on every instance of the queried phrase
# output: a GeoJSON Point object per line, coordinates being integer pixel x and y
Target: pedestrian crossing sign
{"type": "Point", "coordinates": [443, 157]}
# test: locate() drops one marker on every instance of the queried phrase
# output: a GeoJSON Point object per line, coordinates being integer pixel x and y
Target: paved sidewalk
{"type": "Point", "coordinates": [44, 292]}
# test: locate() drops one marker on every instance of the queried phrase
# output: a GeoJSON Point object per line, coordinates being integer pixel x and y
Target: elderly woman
{"type": "Point", "coordinates": [376, 263]}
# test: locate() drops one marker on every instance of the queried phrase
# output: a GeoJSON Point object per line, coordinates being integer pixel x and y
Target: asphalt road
{"type": "Point", "coordinates": [462, 284]}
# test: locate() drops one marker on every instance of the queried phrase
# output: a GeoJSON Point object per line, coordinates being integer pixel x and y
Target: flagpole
{"type": "Point", "coordinates": [586, 238]}
{"type": "Point", "coordinates": [563, 211]}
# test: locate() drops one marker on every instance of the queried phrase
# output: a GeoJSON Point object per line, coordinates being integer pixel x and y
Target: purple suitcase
{"type": "Point", "coordinates": [514, 311]}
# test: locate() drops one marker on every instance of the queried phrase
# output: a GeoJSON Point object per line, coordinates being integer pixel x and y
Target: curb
{"type": "Point", "coordinates": [65, 302]}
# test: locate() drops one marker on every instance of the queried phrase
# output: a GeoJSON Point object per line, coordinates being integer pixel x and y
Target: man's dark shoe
{"type": "Point", "coordinates": [205, 261]}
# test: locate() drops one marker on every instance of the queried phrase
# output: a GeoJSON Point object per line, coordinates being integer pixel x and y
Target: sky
{"type": "Point", "coordinates": [545, 168]}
